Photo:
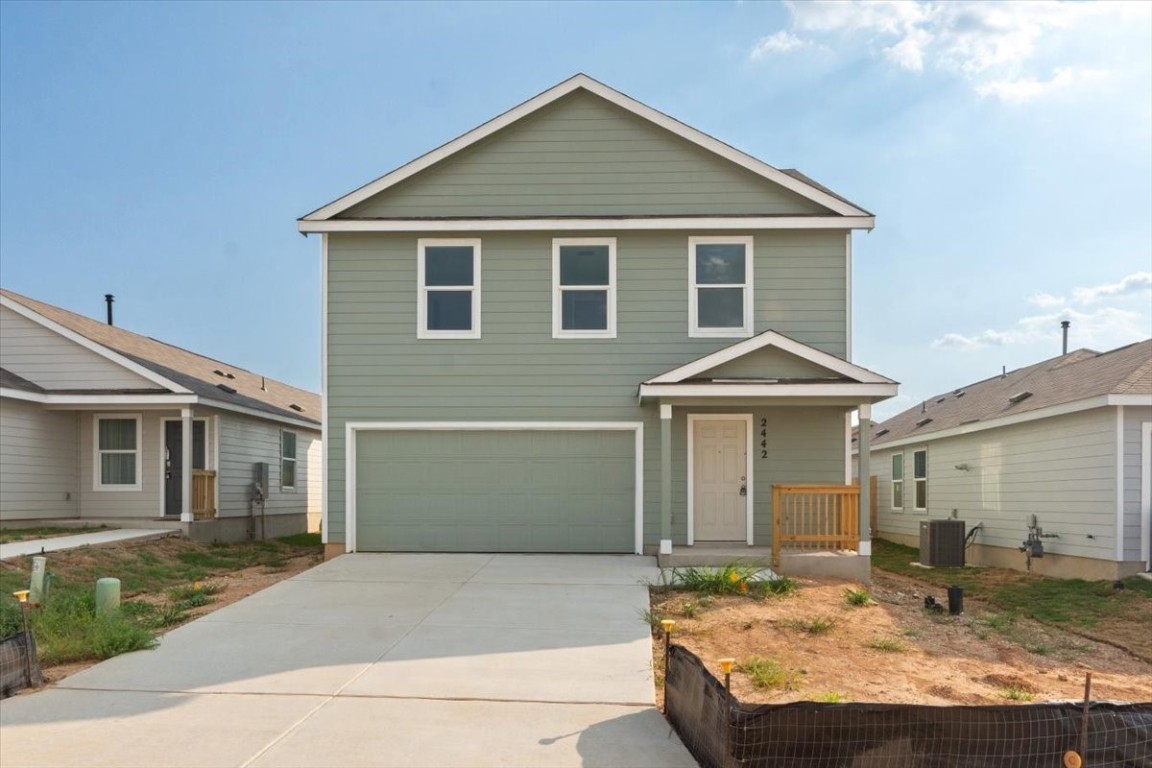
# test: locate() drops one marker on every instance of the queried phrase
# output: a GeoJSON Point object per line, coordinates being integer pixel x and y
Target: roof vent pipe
{"type": "Point", "coordinates": [1064, 327]}
{"type": "Point", "coordinates": [108, 299]}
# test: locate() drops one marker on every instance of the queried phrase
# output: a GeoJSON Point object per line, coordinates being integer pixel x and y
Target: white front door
{"type": "Point", "coordinates": [720, 491]}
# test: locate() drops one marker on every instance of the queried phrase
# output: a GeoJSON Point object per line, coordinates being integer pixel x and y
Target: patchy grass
{"type": "Point", "coordinates": [1092, 608]}
{"type": "Point", "coordinates": [767, 674]}
{"type": "Point", "coordinates": [886, 644]}
{"type": "Point", "coordinates": [9, 535]}
{"type": "Point", "coordinates": [161, 583]}
{"type": "Point", "coordinates": [831, 697]}
{"type": "Point", "coordinates": [821, 625]}
{"type": "Point", "coordinates": [1017, 694]}
{"type": "Point", "coordinates": [858, 597]}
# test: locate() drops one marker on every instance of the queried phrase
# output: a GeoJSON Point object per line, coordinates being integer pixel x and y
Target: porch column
{"type": "Point", "coordinates": [865, 463]}
{"type": "Point", "coordinates": [665, 479]}
{"type": "Point", "coordinates": [186, 466]}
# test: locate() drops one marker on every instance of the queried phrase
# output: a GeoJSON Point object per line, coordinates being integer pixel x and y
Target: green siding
{"type": "Point", "coordinates": [379, 371]}
{"type": "Point", "coordinates": [495, 491]}
{"type": "Point", "coordinates": [768, 364]}
{"type": "Point", "coordinates": [583, 155]}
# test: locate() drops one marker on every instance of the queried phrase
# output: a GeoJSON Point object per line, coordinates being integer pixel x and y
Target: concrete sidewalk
{"type": "Point", "coordinates": [57, 543]}
{"type": "Point", "coordinates": [380, 660]}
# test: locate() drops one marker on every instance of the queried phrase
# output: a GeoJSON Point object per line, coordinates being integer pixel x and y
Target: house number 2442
{"type": "Point", "coordinates": [763, 438]}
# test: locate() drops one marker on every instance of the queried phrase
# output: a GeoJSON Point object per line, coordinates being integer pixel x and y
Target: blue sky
{"type": "Point", "coordinates": [163, 151]}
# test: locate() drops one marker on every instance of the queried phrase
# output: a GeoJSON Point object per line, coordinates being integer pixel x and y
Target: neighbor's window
{"type": "Point", "coordinates": [584, 288]}
{"type": "Point", "coordinates": [449, 289]}
{"type": "Point", "coordinates": [117, 453]}
{"type": "Point", "coordinates": [287, 459]}
{"type": "Point", "coordinates": [920, 479]}
{"type": "Point", "coordinates": [720, 279]}
{"type": "Point", "coordinates": [897, 481]}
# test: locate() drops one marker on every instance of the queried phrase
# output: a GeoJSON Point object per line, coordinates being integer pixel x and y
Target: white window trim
{"type": "Point", "coordinates": [97, 473]}
{"type": "Point", "coordinates": [696, 332]}
{"type": "Point", "coordinates": [916, 479]}
{"type": "Point", "coordinates": [295, 459]}
{"type": "Point", "coordinates": [422, 331]}
{"type": "Point", "coordinates": [558, 331]}
{"type": "Point", "coordinates": [894, 481]}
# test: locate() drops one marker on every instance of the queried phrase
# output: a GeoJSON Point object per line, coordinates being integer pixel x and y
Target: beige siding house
{"type": "Point", "coordinates": [102, 425]}
{"type": "Point", "coordinates": [585, 326]}
{"type": "Point", "coordinates": [1065, 442]}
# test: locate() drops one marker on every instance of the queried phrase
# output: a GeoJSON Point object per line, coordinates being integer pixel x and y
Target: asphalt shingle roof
{"type": "Point", "coordinates": [197, 373]}
{"type": "Point", "coordinates": [1078, 375]}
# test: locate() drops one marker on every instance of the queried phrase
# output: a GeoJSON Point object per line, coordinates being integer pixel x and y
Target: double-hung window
{"type": "Point", "coordinates": [117, 453]}
{"type": "Point", "coordinates": [920, 480]}
{"type": "Point", "coordinates": [897, 481]}
{"type": "Point", "coordinates": [448, 302]}
{"type": "Point", "coordinates": [287, 459]}
{"type": "Point", "coordinates": [584, 288]}
{"type": "Point", "coordinates": [720, 286]}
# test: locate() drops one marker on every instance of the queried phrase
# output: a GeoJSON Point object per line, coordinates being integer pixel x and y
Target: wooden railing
{"type": "Point", "coordinates": [813, 518]}
{"type": "Point", "coordinates": [203, 494]}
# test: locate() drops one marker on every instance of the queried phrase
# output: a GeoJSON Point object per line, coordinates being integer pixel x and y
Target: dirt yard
{"type": "Point", "coordinates": [814, 646]}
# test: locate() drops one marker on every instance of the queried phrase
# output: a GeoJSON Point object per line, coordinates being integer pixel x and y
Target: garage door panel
{"type": "Point", "coordinates": [495, 491]}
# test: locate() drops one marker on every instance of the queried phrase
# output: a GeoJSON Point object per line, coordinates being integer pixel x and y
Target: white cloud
{"type": "Point", "coordinates": [991, 44]}
{"type": "Point", "coordinates": [1047, 300]}
{"type": "Point", "coordinates": [781, 42]}
{"type": "Point", "coordinates": [1106, 326]}
{"type": "Point", "coordinates": [1026, 89]}
{"type": "Point", "coordinates": [1137, 282]}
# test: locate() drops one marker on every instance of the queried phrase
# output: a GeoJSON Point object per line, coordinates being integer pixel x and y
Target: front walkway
{"type": "Point", "coordinates": [380, 660]}
{"type": "Point", "coordinates": [57, 543]}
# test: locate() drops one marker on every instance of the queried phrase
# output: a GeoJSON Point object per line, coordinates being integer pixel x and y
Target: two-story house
{"type": "Point", "coordinates": [585, 326]}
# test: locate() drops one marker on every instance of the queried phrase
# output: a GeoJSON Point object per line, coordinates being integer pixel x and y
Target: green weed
{"type": "Point", "coordinates": [821, 625]}
{"type": "Point", "coordinates": [858, 597]}
{"type": "Point", "coordinates": [832, 697]}
{"type": "Point", "coordinates": [886, 644]}
{"type": "Point", "coordinates": [767, 674]}
{"type": "Point", "coordinates": [1017, 694]}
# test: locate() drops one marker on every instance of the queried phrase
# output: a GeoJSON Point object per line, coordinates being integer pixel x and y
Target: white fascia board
{"type": "Point", "coordinates": [1137, 400]}
{"type": "Point", "coordinates": [1101, 401]}
{"type": "Point", "coordinates": [93, 346]}
{"type": "Point", "coordinates": [864, 392]}
{"type": "Point", "coordinates": [779, 341]}
{"type": "Point", "coordinates": [627, 103]}
{"type": "Point", "coordinates": [701, 223]}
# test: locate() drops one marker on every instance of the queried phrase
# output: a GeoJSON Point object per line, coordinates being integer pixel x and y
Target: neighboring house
{"type": "Point", "coordinates": [1068, 440]}
{"type": "Point", "coordinates": [584, 327]}
{"type": "Point", "coordinates": [102, 425]}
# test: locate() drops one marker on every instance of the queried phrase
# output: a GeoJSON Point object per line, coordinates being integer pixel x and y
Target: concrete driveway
{"type": "Point", "coordinates": [379, 660]}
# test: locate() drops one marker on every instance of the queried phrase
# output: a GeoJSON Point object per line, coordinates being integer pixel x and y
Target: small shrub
{"type": "Point", "coordinates": [886, 644]}
{"type": "Point", "coordinates": [858, 597]}
{"type": "Point", "coordinates": [732, 579]}
{"type": "Point", "coordinates": [819, 626]}
{"type": "Point", "coordinates": [11, 623]}
{"type": "Point", "coordinates": [782, 586]}
{"type": "Point", "coordinates": [767, 674]}
{"type": "Point", "coordinates": [832, 697]}
{"type": "Point", "coordinates": [1014, 693]}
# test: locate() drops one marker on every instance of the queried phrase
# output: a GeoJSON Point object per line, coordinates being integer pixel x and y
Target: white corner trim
{"type": "Point", "coordinates": [665, 411]}
{"type": "Point", "coordinates": [352, 428]}
{"type": "Point", "coordinates": [561, 224]}
{"type": "Point", "coordinates": [558, 331]}
{"type": "Point", "coordinates": [1120, 483]}
{"type": "Point", "coordinates": [864, 548]}
{"type": "Point", "coordinates": [610, 94]}
{"type": "Point", "coordinates": [324, 427]}
{"type": "Point", "coordinates": [765, 340]}
{"type": "Point", "coordinates": [848, 293]}
{"type": "Point", "coordinates": [749, 452]}
{"type": "Point", "coordinates": [93, 346]}
{"type": "Point", "coordinates": [695, 331]}
{"type": "Point", "coordinates": [1146, 494]}
{"type": "Point", "coordinates": [422, 330]}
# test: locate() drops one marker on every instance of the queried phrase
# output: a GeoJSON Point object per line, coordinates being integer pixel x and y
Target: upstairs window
{"type": "Point", "coordinates": [920, 480]}
{"type": "Point", "coordinates": [287, 459]}
{"type": "Point", "coordinates": [720, 280]}
{"type": "Point", "coordinates": [448, 302]}
{"type": "Point", "coordinates": [117, 453]}
{"type": "Point", "coordinates": [897, 481]}
{"type": "Point", "coordinates": [584, 288]}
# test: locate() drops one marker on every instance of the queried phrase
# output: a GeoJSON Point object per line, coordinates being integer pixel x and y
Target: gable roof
{"type": "Point", "coordinates": [794, 181]}
{"type": "Point", "coordinates": [177, 369]}
{"type": "Point", "coordinates": [1077, 376]}
{"type": "Point", "coordinates": [771, 339]}
{"type": "Point", "coordinates": [9, 380]}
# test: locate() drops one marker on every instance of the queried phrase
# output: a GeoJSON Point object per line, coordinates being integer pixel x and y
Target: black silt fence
{"type": "Point", "coordinates": [19, 667]}
{"type": "Point", "coordinates": [721, 732]}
